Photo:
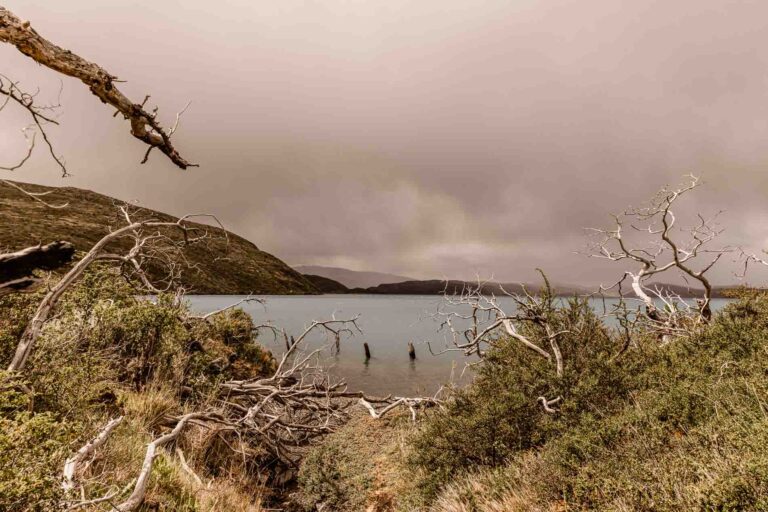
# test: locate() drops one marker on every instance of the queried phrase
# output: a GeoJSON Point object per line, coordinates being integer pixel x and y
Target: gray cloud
{"type": "Point", "coordinates": [431, 138]}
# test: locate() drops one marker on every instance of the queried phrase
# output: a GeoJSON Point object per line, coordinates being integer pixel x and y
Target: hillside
{"type": "Point", "coordinates": [221, 267]}
{"type": "Point", "coordinates": [351, 278]}
{"type": "Point", "coordinates": [326, 285]}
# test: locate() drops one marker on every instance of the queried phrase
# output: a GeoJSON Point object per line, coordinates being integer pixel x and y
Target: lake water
{"type": "Point", "coordinates": [388, 323]}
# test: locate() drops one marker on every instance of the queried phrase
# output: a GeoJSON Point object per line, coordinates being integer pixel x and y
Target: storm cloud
{"type": "Point", "coordinates": [438, 138]}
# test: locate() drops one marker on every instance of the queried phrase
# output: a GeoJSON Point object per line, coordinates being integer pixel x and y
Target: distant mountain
{"type": "Point", "coordinates": [351, 278]}
{"type": "Point", "coordinates": [231, 265]}
{"type": "Point", "coordinates": [686, 291]}
{"type": "Point", "coordinates": [438, 287]}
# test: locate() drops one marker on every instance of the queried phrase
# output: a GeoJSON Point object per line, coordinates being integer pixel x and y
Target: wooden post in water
{"type": "Point", "coordinates": [411, 351]}
{"type": "Point", "coordinates": [367, 351]}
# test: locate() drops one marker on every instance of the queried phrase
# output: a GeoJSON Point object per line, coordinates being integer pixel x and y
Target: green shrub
{"type": "Point", "coordinates": [360, 467]}
{"type": "Point", "coordinates": [498, 416]}
{"type": "Point", "coordinates": [105, 353]}
{"type": "Point", "coordinates": [33, 447]}
{"type": "Point", "coordinates": [689, 433]}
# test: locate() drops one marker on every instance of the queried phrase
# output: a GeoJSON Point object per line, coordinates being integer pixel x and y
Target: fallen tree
{"type": "Point", "coordinates": [17, 268]}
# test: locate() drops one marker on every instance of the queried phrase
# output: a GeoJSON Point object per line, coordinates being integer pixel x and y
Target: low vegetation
{"type": "Point", "coordinates": [109, 354]}
{"type": "Point", "coordinates": [125, 403]}
{"type": "Point", "coordinates": [675, 426]}
{"type": "Point", "coordinates": [681, 426]}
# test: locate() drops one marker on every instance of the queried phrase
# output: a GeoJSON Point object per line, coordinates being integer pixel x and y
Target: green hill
{"type": "Point", "coordinates": [220, 267]}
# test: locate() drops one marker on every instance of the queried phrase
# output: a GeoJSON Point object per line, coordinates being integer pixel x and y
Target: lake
{"type": "Point", "coordinates": [387, 322]}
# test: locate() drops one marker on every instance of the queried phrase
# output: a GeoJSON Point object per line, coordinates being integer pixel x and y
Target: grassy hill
{"type": "Point", "coordinates": [233, 267]}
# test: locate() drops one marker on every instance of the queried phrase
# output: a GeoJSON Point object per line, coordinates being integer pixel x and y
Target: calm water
{"type": "Point", "coordinates": [388, 323]}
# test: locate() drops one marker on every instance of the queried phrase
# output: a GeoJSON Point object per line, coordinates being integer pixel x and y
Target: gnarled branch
{"type": "Point", "coordinates": [144, 124]}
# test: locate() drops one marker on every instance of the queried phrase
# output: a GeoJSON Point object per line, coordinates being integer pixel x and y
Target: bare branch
{"type": "Point", "coordinates": [39, 114]}
{"type": "Point", "coordinates": [72, 464]}
{"type": "Point", "coordinates": [247, 299]}
{"type": "Point", "coordinates": [144, 124]}
{"type": "Point", "coordinates": [547, 404]}
{"type": "Point", "coordinates": [36, 196]}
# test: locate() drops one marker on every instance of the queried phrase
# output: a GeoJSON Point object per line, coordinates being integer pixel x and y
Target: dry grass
{"type": "Point", "coordinates": [361, 467]}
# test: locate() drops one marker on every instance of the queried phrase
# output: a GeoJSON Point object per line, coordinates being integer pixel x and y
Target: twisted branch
{"type": "Point", "coordinates": [144, 124]}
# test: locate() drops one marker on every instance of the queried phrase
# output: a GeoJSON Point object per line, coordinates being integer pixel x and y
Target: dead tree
{"type": "Point", "coordinates": [650, 238]}
{"type": "Point", "coordinates": [152, 245]}
{"type": "Point", "coordinates": [144, 124]}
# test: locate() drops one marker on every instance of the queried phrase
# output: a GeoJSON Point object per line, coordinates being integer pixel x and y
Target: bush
{"type": "Point", "coordinates": [360, 467]}
{"type": "Point", "coordinates": [690, 433]}
{"type": "Point", "coordinates": [33, 447]}
{"type": "Point", "coordinates": [105, 353]}
{"type": "Point", "coordinates": [498, 416]}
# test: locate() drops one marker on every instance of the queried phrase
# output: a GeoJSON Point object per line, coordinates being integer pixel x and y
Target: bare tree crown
{"type": "Point", "coordinates": [664, 246]}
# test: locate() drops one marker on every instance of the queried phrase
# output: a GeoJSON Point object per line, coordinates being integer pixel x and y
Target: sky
{"type": "Point", "coordinates": [433, 139]}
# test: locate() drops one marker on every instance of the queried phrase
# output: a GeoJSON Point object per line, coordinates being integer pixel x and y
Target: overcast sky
{"type": "Point", "coordinates": [430, 138]}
